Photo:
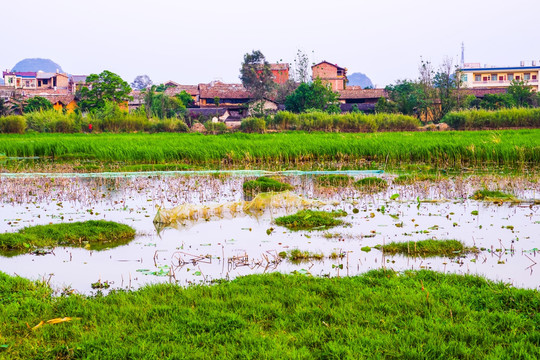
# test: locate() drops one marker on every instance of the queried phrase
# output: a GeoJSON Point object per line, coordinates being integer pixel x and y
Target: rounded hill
{"type": "Point", "coordinates": [36, 64]}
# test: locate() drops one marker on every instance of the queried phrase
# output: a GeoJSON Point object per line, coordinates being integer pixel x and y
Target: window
{"type": "Point", "coordinates": [493, 77]}
{"type": "Point", "coordinates": [464, 77]}
{"type": "Point", "coordinates": [485, 78]}
{"type": "Point", "coordinates": [477, 78]}
{"type": "Point", "coordinates": [510, 77]}
{"type": "Point", "coordinates": [517, 77]}
{"type": "Point", "coordinates": [501, 78]}
{"type": "Point", "coordinates": [527, 76]}
{"type": "Point", "coordinates": [534, 77]}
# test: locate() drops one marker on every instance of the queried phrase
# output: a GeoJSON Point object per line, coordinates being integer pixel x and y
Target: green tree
{"type": "Point", "coordinates": [385, 106]}
{"type": "Point", "coordinates": [37, 103]}
{"type": "Point", "coordinates": [100, 88]}
{"type": "Point", "coordinates": [216, 101]}
{"type": "Point", "coordinates": [256, 75]}
{"type": "Point", "coordinates": [185, 98]}
{"type": "Point", "coordinates": [408, 96]}
{"type": "Point", "coordinates": [315, 95]}
{"type": "Point", "coordinates": [521, 93]}
{"type": "Point", "coordinates": [497, 102]}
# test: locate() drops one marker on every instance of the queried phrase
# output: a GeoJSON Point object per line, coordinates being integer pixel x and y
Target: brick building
{"type": "Point", "coordinates": [331, 74]}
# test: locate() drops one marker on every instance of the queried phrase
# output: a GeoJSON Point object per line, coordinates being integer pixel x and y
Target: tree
{"type": "Point", "coordinates": [141, 82]}
{"type": "Point", "coordinates": [496, 102]}
{"type": "Point", "coordinates": [256, 75]}
{"type": "Point", "coordinates": [216, 101]}
{"type": "Point", "coordinates": [4, 110]}
{"type": "Point", "coordinates": [185, 98]}
{"type": "Point", "coordinates": [301, 67]}
{"type": "Point", "coordinates": [445, 83]}
{"type": "Point", "coordinates": [284, 90]}
{"type": "Point", "coordinates": [37, 103]}
{"type": "Point", "coordinates": [315, 95]}
{"type": "Point", "coordinates": [521, 93]}
{"type": "Point", "coordinates": [385, 106]}
{"type": "Point", "coordinates": [98, 89]}
{"type": "Point", "coordinates": [408, 96]}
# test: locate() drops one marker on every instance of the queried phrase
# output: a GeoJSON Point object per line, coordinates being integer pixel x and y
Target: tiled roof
{"type": "Point", "coordinates": [192, 90]}
{"type": "Point", "coordinates": [64, 99]}
{"type": "Point", "coordinates": [480, 93]}
{"type": "Point", "coordinates": [329, 63]}
{"type": "Point", "coordinates": [78, 78]}
{"type": "Point", "coordinates": [354, 92]}
{"type": "Point", "coordinates": [223, 91]}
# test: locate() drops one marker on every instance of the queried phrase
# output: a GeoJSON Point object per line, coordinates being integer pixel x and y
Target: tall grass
{"type": "Point", "coordinates": [445, 149]}
{"type": "Point", "coordinates": [352, 122]}
{"type": "Point", "coordinates": [485, 119]}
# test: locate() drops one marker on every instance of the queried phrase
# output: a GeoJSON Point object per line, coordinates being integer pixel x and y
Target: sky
{"type": "Point", "coordinates": [193, 42]}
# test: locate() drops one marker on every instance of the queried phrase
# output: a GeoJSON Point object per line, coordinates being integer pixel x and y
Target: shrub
{"type": "Point", "coordinates": [485, 119]}
{"type": "Point", "coordinates": [311, 220]}
{"type": "Point", "coordinates": [215, 128]}
{"type": "Point", "coordinates": [253, 125]}
{"type": "Point", "coordinates": [13, 124]}
{"type": "Point", "coordinates": [351, 122]}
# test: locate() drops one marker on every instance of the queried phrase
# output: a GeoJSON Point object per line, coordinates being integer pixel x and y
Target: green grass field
{"type": "Point", "coordinates": [508, 148]}
{"type": "Point", "coordinates": [379, 315]}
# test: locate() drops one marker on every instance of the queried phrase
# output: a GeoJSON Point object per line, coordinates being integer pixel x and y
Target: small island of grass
{"type": "Point", "coordinates": [409, 179]}
{"type": "Point", "coordinates": [92, 234]}
{"type": "Point", "coordinates": [371, 184]}
{"type": "Point", "coordinates": [264, 184]}
{"type": "Point", "coordinates": [493, 195]}
{"type": "Point", "coordinates": [427, 248]}
{"type": "Point", "coordinates": [311, 220]}
{"type": "Point", "coordinates": [334, 180]}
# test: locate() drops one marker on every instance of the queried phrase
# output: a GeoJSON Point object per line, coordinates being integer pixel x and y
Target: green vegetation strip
{"type": "Point", "coordinates": [311, 220]}
{"type": "Point", "coordinates": [371, 184]}
{"type": "Point", "coordinates": [265, 184]}
{"type": "Point", "coordinates": [427, 248]}
{"type": "Point", "coordinates": [381, 314]}
{"type": "Point", "coordinates": [512, 148]}
{"type": "Point", "coordinates": [493, 195]}
{"type": "Point", "coordinates": [409, 179]}
{"type": "Point", "coordinates": [92, 233]}
{"type": "Point", "coordinates": [334, 180]}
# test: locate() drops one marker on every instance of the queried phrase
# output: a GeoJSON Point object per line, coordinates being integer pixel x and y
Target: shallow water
{"type": "Point", "coordinates": [204, 251]}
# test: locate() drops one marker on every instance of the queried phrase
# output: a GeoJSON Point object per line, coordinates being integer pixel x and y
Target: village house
{"type": "Point", "coordinates": [474, 76]}
{"type": "Point", "coordinates": [20, 80]}
{"type": "Point", "coordinates": [233, 97]}
{"type": "Point", "coordinates": [331, 74]}
{"type": "Point", "coordinates": [52, 80]}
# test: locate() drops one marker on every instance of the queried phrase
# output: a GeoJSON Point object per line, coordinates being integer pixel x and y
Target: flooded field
{"type": "Point", "coordinates": [220, 239]}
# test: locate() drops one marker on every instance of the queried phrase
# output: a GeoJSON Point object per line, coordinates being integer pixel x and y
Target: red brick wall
{"type": "Point", "coordinates": [324, 70]}
{"type": "Point", "coordinates": [280, 76]}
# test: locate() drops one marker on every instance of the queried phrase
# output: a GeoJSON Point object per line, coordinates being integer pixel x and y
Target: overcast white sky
{"type": "Point", "coordinates": [198, 41]}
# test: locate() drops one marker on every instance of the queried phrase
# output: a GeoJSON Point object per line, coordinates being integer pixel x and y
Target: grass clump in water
{"type": "Point", "coordinates": [264, 184]}
{"type": "Point", "coordinates": [409, 179]}
{"type": "Point", "coordinates": [493, 195]}
{"type": "Point", "coordinates": [311, 220]}
{"type": "Point", "coordinates": [93, 234]}
{"type": "Point", "coordinates": [334, 180]}
{"type": "Point", "coordinates": [427, 248]}
{"type": "Point", "coordinates": [297, 255]}
{"type": "Point", "coordinates": [371, 184]}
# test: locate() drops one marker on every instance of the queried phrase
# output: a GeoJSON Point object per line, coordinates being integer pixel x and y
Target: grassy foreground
{"type": "Point", "coordinates": [92, 233]}
{"type": "Point", "coordinates": [512, 148]}
{"type": "Point", "coordinates": [417, 315]}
